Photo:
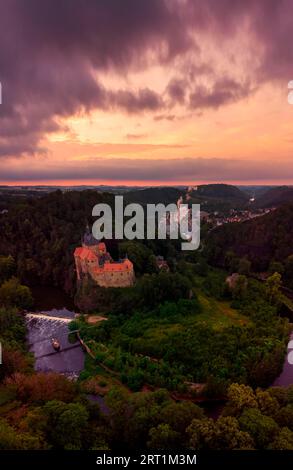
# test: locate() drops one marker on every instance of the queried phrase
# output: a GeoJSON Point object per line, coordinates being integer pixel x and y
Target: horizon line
{"type": "Point", "coordinates": [64, 184]}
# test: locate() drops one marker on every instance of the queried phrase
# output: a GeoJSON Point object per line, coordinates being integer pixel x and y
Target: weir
{"type": "Point", "coordinates": [41, 328]}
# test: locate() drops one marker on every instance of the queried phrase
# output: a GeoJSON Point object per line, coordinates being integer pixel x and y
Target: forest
{"type": "Point", "coordinates": [265, 242]}
{"type": "Point", "coordinates": [168, 342]}
{"type": "Point", "coordinates": [46, 411]}
{"type": "Point", "coordinates": [177, 338]}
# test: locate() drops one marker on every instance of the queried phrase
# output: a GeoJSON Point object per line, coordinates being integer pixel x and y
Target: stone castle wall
{"type": "Point", "coordinates": [114, 279]}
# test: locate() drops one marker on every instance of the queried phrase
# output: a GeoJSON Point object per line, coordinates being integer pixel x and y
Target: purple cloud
{"type": "Point", "coordinates": [222, 92]}
{"type": "Point", "coordinates": [51, 53]}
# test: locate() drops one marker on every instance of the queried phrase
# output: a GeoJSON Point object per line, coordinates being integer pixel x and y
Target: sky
{"type": "Point", "coordinates": [147, 92]}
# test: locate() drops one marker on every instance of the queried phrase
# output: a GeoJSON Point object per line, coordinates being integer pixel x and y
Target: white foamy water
{"type": "Point", "coordinates": [41, 328]}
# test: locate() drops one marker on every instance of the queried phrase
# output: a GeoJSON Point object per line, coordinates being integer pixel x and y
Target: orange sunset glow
{"type": "Point", "coordinates": [177, 92]}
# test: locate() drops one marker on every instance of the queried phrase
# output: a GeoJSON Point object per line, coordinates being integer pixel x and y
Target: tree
{"type": "Point", "coordinates": [279, 393]}
{"type": "Point", "coordinates": [283, 441]}
{"type": "Point", "coordinates": [9, 439]}
{"type": "Point", "coordinates": [289, 270]}
{"type": "Point", "coordinates": [202, 433]}
{"type": "Point", "coordinates": [231, 261]}
{"type": "Point", "coordinates": [240, 287]}
{"type": "Point", "coordinates": [41, 387]}
{"type": "Point", "coordinates": [241, 396]}
{"type": "Point", "coordinates": [214, 284]}
{"type": "Point", "coordinates": [36, 422]}
{"type": "Point", "coordinates": [12, 328]}
{"type": "Point", "coordinates": [276, 267]}
{"type": "Point", "coordinates": [158, 288]}
{"type": "Point", "coordinates": [163, 437]}
{"type": "Point", "coordinates": [229, 436]}
{"type": "Point", "coordinates": [266, 366]}
{"type": "Point", "coordinates": [262, 428]}
{"type": "Point", "coordinates": [135, 380]}
{"type": "Point", "coordinates": [267, 404]}
{"type": "Point", "coordinates": [179, 415]}
{"type": "Point", "coordinates": [285, 417]}
{"type": "Point", "coordinates": [201, 267]}
{"type": "Point", "coordinates": [244, 266]}
{"type": "Point", "coordinates": [143, 413]}
{"type": "Point", "coordinates": [151, 265]}
{"type": "Point", "coordinates": [139, 255]}
{"type": "Point", "coordinates": [117, 402]}
{"type": "Point", "coordinates": [13, 361]}
{"type": "Point", "coordinates": [13, 294]}
{"type": "Point", "coordinates": [66, 424]}
{"type": "Point", "coordinates": [273, 284]}
{"type": "Point", "coordinates": [223, 434]}
{"type": "Point", "coordinates": [7, 268]}
{"type": "Point", "coordinates": [290, 394]}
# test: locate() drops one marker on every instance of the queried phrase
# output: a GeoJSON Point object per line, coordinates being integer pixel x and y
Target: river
{"type": "Point", "coordinates": [44, 325]}
{"type": "Point", "coordinates": [286, 377]}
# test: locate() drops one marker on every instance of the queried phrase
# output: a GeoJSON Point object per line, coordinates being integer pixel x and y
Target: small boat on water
{"type": "Point", "coordinates": [55, 343]}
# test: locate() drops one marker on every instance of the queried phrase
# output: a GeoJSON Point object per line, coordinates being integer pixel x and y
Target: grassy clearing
{"type": "Point", "coordinates": [215, 313]}
{"type": "Point", "coordinates": [218, 314]}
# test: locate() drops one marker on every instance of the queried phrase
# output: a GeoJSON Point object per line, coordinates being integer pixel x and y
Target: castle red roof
{"type": "Point", "coordinates": [85, 253]}
{"type": "Point", "coordinates": [118, 267]}
{"type": "Point", "coordinates": [126, 265]}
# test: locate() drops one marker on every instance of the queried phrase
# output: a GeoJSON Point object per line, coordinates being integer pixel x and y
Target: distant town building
{"type": "Point", "coordinates": [92, 259]}
{"type": "Point", "coordinates": [204, 215]}
{"type": "Point", "coordinates": [191, 188]}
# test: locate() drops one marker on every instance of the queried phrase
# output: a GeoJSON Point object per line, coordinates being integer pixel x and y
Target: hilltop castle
{"type": "Point", "coordinates": [93, 259]}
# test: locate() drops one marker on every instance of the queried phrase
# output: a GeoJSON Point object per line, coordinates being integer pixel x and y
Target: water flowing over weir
{"type": "Point", "coordinates": [41, 328]}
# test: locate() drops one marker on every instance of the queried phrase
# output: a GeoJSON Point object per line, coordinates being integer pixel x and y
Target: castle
{"type": "Point", "coordinates": [93, 259]}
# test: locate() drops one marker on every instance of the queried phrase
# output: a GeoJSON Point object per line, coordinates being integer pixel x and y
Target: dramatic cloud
{"type": "Point", "coordinates": [53, 53]}
{"type": "Point", "coordinates": [133, 103]}
{"type": "Point", "coordinates": [49, 56]}
{"type": "Point", "coordinates": [222, 92]}
{"type": "Point", "coordinates": [176, 90]}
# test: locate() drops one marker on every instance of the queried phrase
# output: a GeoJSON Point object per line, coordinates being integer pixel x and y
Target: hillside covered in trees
{"type": "Point", "coordinates": [274, 197]}
{"type": "Point", "coordinates": [178, 336]}
{"type": "Point", "coordinates": [41, 234]}
{"type": "Point", "coordinates": [218, 197]}
{"type": "Point", "coordinates": [153, 196]}
{"type": "Point", "coordinates": [262, 241]}
{"type": "Point", "coordinates": [45, 411]}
